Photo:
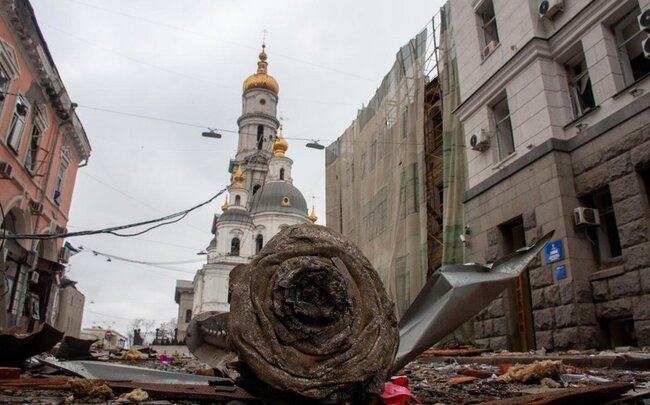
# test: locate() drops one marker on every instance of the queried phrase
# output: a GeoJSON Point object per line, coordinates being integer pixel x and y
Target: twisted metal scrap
{"type": "Point", "coordinates": [309, 315]}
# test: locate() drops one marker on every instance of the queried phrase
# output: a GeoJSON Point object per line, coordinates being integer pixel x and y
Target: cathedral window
{"type": "Point", "coordinates": [259, 242]}
{"type": "Point", "coordinates": [282, 174]}
{"type": "Point", "coordinates": [237, 200]}
{"type": "Point", "coordinates": [255, 188]}
{"type": "Point", "coordinates": [260, 137]}
{"type": "Point", "coordinates": [234, 247]}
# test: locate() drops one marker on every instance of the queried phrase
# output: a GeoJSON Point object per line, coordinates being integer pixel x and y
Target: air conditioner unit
{"type": "Point", "coordinates": [645, 44]}
{"type": "Point", "coordinates": [586, 216]}
{"type": "Point", "coordinates": [548, 8]}
{"type": "Point", "coordinates": [64, 255]}
{"type": "Point", "coordinates": [36, 207]}
{"type": "Point", "coordinates": [5, 170]}
{"type": "Point", "coordinates": [33, 277]}
{"type": "Point", "coordinates": [644, 21]}
{"type": "Point", "coordinates": [479, 140]}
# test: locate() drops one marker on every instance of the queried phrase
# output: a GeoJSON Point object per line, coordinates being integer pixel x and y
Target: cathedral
{"type": "Point", "coordinates": [261, 199]}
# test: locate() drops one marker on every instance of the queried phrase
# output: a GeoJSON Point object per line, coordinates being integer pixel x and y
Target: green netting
{"type": "Point", "coordinates": [455, 164]}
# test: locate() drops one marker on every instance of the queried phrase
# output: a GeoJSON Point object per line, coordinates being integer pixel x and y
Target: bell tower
{"type": "Point", "coordinates": [257, 124]}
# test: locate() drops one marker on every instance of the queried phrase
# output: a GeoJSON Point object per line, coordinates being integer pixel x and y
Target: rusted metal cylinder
{"type": "Point", "coordinates": [309, 316]}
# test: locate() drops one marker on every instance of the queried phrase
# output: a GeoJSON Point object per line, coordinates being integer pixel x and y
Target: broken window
{"type": "Point", "coordinates": [603, 237]}
{"type": "Point", "coordinates": [629, 39]}
{"type": "Point", "coordinates": [580, 91]}
{"type": "Point", "coordinates": [504, 136]}
{"type": "Point", "coordinates": [15, 134]}
{"type": "Point", "coordinates": [4, 85]}
{"type": "Point", "coordinates": [34, 144]}
{"type": "Point", "coordinates": [61, 176]}
{"type": "Point", "coordinates": [488, 27]}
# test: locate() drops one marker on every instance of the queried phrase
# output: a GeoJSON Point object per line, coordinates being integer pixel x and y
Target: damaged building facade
{"type": "Point", "coordinates": [42, 144]}
{"type": "Point", "coordinates": [554, 109]}
{"type": "Point", "coordinates": [376, 173]}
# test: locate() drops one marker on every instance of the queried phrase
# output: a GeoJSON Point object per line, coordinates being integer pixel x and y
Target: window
{"type": "Point", "coordinates": [4, 86]}
{"type": "Point", "coordinates": [255, 188]}
{"type": "Point", "coordinates": [373, 155]}
{"type": "Point", "coordinates": [646, 182]}
{"type": "Point", "coordinates": [409, 191]}
{"type": "Point", "coordinates": [282, 174]}
{"type": "Point", "coordinates": [402, 283]}
{"type": "Point", "coordinates": [582, 96]}
{"type": "Point", "coordinates": [629, 40]}
{"type": "Point", "coordinates": [17, 124]}
{"type": "Point", "coordinates": [234, 247]}
{"type": "Point", "coordinates": [188, 315]}
{"type": "Point", "coordinates": [605, 236]}
{"type": "Point", "coordinates": [34, 144]}
{"type": "Point", "coordinates": [488, 27]}
{"type": "Point", "coordinates": [60, 178]}
{"type": "Point", "coordinates": [237, 200]}
{"type": "Point", "coordinates": [259, 242]}
{"type": "Point", "coordinates": [504, 137]}
{"type": "Point", "coordinates": [260, 137]}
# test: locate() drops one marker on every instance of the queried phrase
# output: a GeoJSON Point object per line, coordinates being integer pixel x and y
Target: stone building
{"type": "Point", "coordinates": [262, 199]}
{"type": "Point", "coordinates": [70, 308]}
{"type": "Point", "coordinates": [184, 297]}
{"type": "Point", "coordinates": [554, 107]}
{"type": "Point", "coordinates": [42, 144]}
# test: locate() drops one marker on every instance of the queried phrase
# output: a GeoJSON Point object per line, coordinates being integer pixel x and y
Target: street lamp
{"type": "Point", "coordinates": [315, 145]}
{"type": "Point", "coordinates": [211, 134]}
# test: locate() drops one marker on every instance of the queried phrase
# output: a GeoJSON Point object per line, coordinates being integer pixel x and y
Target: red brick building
{"type": "Point", "coordinates": [42, 144]}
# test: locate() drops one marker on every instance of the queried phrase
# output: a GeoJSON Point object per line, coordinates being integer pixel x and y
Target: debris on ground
{"type": "Point", "coordinates": [137, 395]}
{"type": "Point", "coordinates": [91, 389]}
{"type": "Point", "coordinates": [133, 354]}
{"type": "Point", "coordinates": [533, 372]}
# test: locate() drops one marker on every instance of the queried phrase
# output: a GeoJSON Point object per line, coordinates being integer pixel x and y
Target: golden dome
{"type": "Point", "coordinates": [280, 145]}
{"type": "Point", "coordinates": [312, 217]}
{"type": "Point", "coordinates": [261, 80]}
{"type": "Point", "coordinates": [238, 178]}
{"type": "Point", "coordinates": [225, 205]}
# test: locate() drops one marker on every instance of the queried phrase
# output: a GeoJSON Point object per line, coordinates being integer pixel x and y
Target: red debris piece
{"type": "Point", "coordinates": [9, 373]}
{"type": "Point", "coordinates": [397, 395]}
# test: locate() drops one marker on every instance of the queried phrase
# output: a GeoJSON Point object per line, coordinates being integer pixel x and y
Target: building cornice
{"type": "Point", "coordinates": [561, 145]}
{"type": "Point", "coordinates": [264, 116]}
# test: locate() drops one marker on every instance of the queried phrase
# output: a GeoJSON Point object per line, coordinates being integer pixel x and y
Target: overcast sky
{"type": "Point", "coordinates": [185, 61]}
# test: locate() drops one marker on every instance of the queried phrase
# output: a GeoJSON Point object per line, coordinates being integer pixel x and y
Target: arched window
{"type": "Point", "coordinates": [260, 136]}
{"type": "Point", "coordinates": [282, 174]}
{"type": "Point", "coordinates": [259, 242]}
{"type": "Point", "coordinates": [255, 188]}
{"type": "Point", "coordinates": [237, 200]}
{"type": "Point", "coordinates": [234, 247]}
{"type": "Point", "coordinates": [188, 315]}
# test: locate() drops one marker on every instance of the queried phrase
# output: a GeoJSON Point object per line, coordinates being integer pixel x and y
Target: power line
{"type": "Point", "coordinates": [170, 219]}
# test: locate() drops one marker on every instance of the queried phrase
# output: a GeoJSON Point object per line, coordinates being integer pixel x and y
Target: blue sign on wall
{"type": "Point", "coordinates": [560, 272]}
{"type": "Point", "coordinates": [553, 251]}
